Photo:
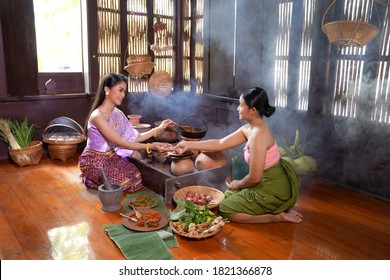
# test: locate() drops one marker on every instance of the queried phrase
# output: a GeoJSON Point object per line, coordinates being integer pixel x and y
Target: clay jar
{"type": "Point", "coordinates": [207, 160]}
{"type": "Point", "coordinates": [182, 165]}
{"type": "Point", "coordinates": [169, 134]}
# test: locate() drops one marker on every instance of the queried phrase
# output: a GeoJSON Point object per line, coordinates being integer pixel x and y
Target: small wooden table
{"type": "Point", "coordinates": [63, 145]}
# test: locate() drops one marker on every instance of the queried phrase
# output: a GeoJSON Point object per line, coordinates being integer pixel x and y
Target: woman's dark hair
{"type": "Point", "coordinates": [257, 98]}
{"type": "Point", "coordinates": [109, 80]}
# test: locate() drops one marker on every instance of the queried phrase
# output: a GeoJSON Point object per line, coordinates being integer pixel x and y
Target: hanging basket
{"type": "Point", "coordinates": [160, 83]}
{"type": "Point", "coordinates": [139, 65]}
{"type": "Point", "coordinates": [350, 33]}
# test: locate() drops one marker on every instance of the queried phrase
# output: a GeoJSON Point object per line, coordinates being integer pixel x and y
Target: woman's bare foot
{"type": "Point", "coordinates": [291, 216]}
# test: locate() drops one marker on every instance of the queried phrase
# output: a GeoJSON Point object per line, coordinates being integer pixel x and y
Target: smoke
{"type": "Point", "coordinates": [350, 150]}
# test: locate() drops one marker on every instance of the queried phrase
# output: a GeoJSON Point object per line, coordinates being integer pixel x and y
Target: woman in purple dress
{"type": "Point", "coordinates": [111, 138]}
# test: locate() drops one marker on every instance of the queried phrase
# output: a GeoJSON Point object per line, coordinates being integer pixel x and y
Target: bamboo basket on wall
{"type": "Point", "coordinates": [27, 156]}
{"type": "Point", "coordinates": [348, 32]}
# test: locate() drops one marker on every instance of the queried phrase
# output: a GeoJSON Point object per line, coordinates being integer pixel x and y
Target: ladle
{"type": "Point", "coordinates": [184, 127]}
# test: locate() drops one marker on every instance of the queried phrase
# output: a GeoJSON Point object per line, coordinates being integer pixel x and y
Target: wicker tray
{"type": "Point", "coordinates": [160, 83]}
{"type": "Point", "coordinates": [216, 194]}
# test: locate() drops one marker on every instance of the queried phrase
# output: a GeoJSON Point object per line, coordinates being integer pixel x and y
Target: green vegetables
{"type": "Point", "coordinates": [17, 134]}
{"type": "Point", "coordinates": [143, 201]}
{"type": "Point", "coordinates": [23, 132]}
{"type": "Point", "coordinates": [195, 221]}
{"type": "Point", "coordinates": [187, 212]}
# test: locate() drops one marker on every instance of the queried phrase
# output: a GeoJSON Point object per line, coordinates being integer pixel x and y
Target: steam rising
{"type": "Point", "coordinates": [349, 151]}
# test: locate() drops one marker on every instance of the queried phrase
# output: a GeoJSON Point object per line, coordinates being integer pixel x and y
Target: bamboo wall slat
{"type": "Point", "coordinates": [109, 53]}
{"type": "Point", "coordinates": [108, 36]}
{"type": "Point", "coordinates": [282, 53]}
{"type": "Point", "coordinates": [137, 27]}
{"type": "Point", "coordinates": [381, 111]}
{"type": "Point", "coordinates": [349, 68]}
{"type": "Point", "coordinates": [306, 54]}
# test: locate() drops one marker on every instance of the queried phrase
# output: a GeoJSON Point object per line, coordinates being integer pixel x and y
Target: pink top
{"type": "Point", "coordinates": [271, 157]}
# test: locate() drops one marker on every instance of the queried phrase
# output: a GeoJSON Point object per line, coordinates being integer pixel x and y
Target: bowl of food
{"type": "Point", "coordinates": [200, 195]}
{"type": "Point", "coordinates": [142, 127]}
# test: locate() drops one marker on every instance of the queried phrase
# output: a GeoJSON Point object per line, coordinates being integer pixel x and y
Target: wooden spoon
{"type": "Point", "coordinates": [131, 218]}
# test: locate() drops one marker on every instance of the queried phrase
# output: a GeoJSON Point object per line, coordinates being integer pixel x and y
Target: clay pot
{"type": "Point", "coordinates": [207, 160]}
{"type": "Point", "coordinates": [182, 165]}
{"type": "Point", "coordinates": [111, 199]}
{"type": "Point", "coordinates": [169, 135]}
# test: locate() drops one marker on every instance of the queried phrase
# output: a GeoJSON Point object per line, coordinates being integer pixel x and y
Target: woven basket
{"type": "Point", "coordinates": [350, 33]}
{"type": "Point", "coordinates": [141, 58]}
{"type": "Point", "coordinates": [62, 151]}
{"type": "Point", "coordinates": [140, 69]}
{"type": "Point", "coordinates": [216, 194]}
{"type": "Point", "coordinates": [160, 83]}
{"type": "Point", "coordinates": [27, 156]}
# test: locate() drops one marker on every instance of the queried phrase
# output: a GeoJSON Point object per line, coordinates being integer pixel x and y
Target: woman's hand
{"type": "Point", "coordinates": [166, 123]}
{"type": "Point", "coordinates": [181, 147]}
{"type": "Point", "coordinates": [161, 147]}
{"type": "Point", "coordinates": [234, 185]}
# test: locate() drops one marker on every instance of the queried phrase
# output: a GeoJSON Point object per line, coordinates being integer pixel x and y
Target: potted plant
{"type": "Point", "coordinates": [19, 137]}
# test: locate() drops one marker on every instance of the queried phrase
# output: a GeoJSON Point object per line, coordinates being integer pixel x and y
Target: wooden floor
{"type": "Point", "coordinates": [46, 213]}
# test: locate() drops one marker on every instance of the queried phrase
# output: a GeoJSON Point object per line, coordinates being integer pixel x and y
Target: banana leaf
{"type": "Point", "coordinates": [136, 245]}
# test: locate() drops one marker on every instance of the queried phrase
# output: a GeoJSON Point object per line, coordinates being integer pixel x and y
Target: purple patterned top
{"type": "Point", "coordinates": [121, 124]}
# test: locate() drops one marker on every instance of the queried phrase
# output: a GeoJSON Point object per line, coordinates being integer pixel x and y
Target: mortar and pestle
{"type": "Point", "coordinates": [109, 194]}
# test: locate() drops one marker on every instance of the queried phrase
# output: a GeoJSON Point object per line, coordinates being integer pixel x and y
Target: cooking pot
{"type": "Point", "coordinates": [193, 127]}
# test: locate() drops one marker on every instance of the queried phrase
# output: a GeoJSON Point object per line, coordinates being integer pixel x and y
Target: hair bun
{"type": "Point", "coordinates": [269, 111]}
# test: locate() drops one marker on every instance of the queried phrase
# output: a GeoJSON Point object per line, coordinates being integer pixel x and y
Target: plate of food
{"type": "Point", "coordinates": [143, 201]}
{"type": "Point", "coordinates": [144, 219]}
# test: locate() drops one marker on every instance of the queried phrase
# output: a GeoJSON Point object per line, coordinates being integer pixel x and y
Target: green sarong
{"type": "Point", "coordinates": [275, 193]}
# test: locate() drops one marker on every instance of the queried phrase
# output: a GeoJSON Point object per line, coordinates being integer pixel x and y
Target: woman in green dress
{"type": "Point", "coordinates": [269, 191]}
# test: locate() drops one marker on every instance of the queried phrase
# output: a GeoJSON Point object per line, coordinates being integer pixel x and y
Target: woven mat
{"type": "Point", "coordinates": [136, 245]}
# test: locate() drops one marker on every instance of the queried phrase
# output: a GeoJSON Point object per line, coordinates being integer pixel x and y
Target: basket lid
{"type": "Point", "coordinates": [63, 124]}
